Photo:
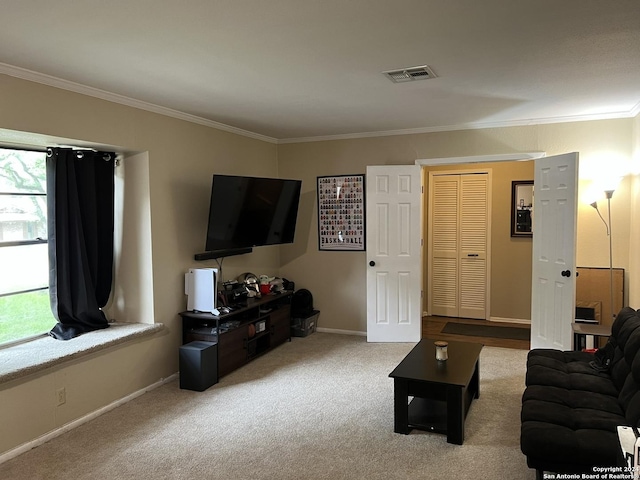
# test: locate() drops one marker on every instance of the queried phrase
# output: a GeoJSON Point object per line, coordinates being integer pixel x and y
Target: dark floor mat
{"type": "Point", "coordinates": [513, 333]}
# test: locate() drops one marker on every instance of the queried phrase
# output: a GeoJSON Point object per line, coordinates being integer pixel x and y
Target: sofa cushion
{"type": "Point", "coordinates": [573, 399]}
{"type": "Point", "coordinates": [628, 338]}
{"type": "Point", "coordinates": [625, 336]}
{"type": "Point", "coordinates": [629, 397]}
{"type": "Point", "coordinates": [619, 371]}
{"type": "Point", "coordinates": [569, 370]}
{"type": "Point", "coordinates": [565, 430]}
{"type": "Point", "coordinates": [621, 319]}
{"type": "Point", "coordinates": [556, 448]}
{"type": "Point", "coordinates": [575, 419]}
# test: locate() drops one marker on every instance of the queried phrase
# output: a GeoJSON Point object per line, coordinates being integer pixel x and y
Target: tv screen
{"type": "Point", "coordinates": [251, 212]}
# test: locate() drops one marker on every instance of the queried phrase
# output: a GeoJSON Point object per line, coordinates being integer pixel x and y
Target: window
{"type": "Point", "coordinates": [24, 262]}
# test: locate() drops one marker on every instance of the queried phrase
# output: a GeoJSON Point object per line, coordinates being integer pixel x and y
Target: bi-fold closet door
{"type": "Point", "coordinates": [458, 232]}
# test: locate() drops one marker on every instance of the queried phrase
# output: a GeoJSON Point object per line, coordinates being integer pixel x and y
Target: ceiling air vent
{"type": "Point", "coordinates": [410, 74]}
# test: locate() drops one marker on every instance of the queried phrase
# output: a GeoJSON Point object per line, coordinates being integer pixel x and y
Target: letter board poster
{"type": "Point", "coordinates": [341, 219]}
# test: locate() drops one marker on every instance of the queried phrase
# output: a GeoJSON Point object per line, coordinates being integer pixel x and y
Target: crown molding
{"type": "Point", "coordinates": [468, 126]}
{"type": "Point", "coordinates": [51, 81]}
{"type": "Point", "coordinates": [56, 82]}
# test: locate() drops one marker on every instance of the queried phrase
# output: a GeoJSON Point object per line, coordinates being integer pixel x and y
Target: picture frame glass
{"type": "Point", "coordinates": [522, 194]}
{"type": "Point", "coordinates": [341, 215]}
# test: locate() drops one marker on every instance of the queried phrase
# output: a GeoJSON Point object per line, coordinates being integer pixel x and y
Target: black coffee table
{"type": "Point", "coordinates": [442, 391]}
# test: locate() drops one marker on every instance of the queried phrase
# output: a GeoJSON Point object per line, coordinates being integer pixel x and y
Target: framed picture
{"type": "Point", "coordinates": [522, 208]}
{"type": "Point", "coordinates": [341, 219]}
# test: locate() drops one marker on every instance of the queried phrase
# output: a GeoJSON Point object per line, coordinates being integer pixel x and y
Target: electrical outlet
{"type": "Point", "coordinates": [62, 396]}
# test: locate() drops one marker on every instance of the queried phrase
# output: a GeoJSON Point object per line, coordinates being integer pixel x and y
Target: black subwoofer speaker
{"type": "Point", "coordinates": [198, 365]}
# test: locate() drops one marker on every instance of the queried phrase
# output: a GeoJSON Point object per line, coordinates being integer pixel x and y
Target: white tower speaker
{"type": "Point", "coordinates": [200, 286]}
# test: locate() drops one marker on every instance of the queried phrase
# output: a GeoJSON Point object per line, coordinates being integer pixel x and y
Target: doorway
{"type": "Point", "coordinates": [509, 274]}
{"type": "Point", "coordinates": [546, 172]}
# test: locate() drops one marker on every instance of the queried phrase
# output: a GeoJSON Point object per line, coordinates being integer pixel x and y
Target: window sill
{"type": "Point", "coordinates": [18, 361]}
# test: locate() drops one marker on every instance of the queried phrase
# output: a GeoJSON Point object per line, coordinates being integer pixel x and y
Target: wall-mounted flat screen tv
{"type": "Point", "coordinates": [250, 212]}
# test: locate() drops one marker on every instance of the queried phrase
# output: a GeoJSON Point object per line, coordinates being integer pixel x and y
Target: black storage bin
{"type": "Point", "coordinates": [301, 327]}
{"type": "Point", "coordinates": [198, 365]}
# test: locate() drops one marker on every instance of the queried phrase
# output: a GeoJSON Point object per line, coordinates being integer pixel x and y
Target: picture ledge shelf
{"type": "Point", "coordinates": [18, 361]}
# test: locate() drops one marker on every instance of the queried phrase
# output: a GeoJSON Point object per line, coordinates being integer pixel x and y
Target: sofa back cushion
{"type": "Point", "coordinates": [629, 397]}
{"type": "Point", "coordinates": [627, 322]}
{"type": "Point", "coordinates": [625, 373]}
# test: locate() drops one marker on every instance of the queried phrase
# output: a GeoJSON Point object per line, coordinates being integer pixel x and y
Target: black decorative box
{"type": "Point", "coordinates": [301, 327]}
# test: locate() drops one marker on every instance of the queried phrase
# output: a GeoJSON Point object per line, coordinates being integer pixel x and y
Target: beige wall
{"type": "Point", "coordinates": [510, 266]}
{"type": "Point", "coordinates": [337, 279]}
{"type": "Point", "coordinates": [178, 159]}
{"type": "Point", "coordinates": [171, 173]}
{"type": "Point", "coordinates": [634, 215]}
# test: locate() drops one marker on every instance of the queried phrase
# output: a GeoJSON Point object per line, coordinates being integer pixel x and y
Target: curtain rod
{"type": "Point", "coordinates": [79, 153]}
{"type": "Point", "coordinates": [118, 156]}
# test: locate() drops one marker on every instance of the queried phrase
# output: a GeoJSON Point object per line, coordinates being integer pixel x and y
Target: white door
{"type": "Point", "coordinates": [394, 253]}
{"type": "Point", "coordinates": [554, 259]}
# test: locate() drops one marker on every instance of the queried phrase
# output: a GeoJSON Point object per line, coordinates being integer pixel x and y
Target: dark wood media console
{"type": "Point", "coordinates": [243, 334]}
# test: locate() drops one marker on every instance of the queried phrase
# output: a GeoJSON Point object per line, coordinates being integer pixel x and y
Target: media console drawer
{"type": "Point", "coordinates": [232, 350]}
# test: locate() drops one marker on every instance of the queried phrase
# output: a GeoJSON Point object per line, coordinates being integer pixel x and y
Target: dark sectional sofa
{"type": "Point", "coordinates": [574, 401]}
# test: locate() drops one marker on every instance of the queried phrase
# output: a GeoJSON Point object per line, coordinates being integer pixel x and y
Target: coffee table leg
{"type": "Point", "coordinates": [475, 380]}
{"type": "Point", "coordinates": [401, 406]}
{"type": "Point", "coordinates": [455, 415]}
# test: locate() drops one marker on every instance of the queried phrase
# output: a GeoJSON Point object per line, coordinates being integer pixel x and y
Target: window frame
{"type": "Point", "coordinates": [17, 243]}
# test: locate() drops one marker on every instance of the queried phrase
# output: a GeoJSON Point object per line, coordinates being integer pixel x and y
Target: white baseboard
{"type": "Point", "coordinates": [8, 455]}
{"type": "Point", "coordinates": [341, 332]}
{"type": "Point", "coordinates": [510, 320]}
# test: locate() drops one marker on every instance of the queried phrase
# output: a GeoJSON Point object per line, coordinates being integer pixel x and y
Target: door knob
{"type": "Point", "coordinates": [566, 273]}
{"type": "Point", "coordinates": [372, 263]}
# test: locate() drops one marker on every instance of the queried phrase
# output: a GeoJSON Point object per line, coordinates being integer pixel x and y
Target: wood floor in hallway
{"type": "Point", "coordinates": [432, 327]}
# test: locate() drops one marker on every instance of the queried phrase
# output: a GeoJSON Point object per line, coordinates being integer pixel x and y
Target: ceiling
{"type": "Point", "coordinates": [291, 70]}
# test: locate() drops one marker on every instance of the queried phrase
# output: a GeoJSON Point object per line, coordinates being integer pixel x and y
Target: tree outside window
{"type": "Point", "coordinates": [24, 264]}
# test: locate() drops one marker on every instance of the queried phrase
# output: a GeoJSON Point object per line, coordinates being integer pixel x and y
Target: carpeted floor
{"type": "Point", "coordinates": [513, 333]}
{"type": "Point", "coordinates": [320, 407]}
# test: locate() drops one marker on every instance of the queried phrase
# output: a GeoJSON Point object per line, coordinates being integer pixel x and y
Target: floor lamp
{"type": "Point", "coordinates": [608, 195]}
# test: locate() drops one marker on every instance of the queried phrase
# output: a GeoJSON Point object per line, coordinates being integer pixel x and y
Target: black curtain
{"type": "Point", "coordinates": [80, 221]}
